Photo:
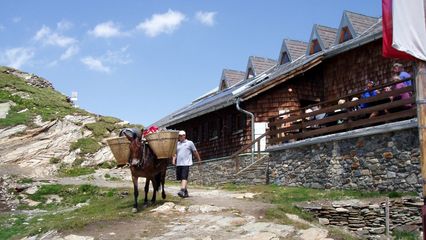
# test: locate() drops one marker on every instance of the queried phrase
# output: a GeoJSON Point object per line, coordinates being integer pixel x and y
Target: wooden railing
{"type": "Point", "coordinates": [236, 155]}
{"type": "Point", "coordinates": [297, 125]}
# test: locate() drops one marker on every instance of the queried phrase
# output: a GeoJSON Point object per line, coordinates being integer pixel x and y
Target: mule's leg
{"type": "Point", "coordinates": [163, 180]}
{"type": "Point", "coordinates": [155, 189]}
{"type": "Point", "coordinates": [136, 193]}
{"type": "Point", "coordinates": [145, 200]}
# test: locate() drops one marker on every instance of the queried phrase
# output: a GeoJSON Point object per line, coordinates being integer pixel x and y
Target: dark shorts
{"type": "Point", "coordinates": [182, 172]}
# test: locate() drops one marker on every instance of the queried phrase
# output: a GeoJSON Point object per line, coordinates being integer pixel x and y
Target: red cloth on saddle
{"type": "Point", "coordinates": [150, 130]}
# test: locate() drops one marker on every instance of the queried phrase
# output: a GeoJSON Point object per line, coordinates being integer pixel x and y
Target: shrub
{"type": "Point", "coordinates": [54, 160]}
{"type": "Point", "coordinates": [86, 145]}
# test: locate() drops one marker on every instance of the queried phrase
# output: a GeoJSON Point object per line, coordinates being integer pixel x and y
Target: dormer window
{"type": "Point", "coordinates": [345, 35]}
{"type": "Point", "coordinates": [223, 85]}
{"type": "Point", "coordinates": [284, 58]}
{"type": "Point", "coordinates": [315, 46]}
{"type": "Point", "coordinates": [250, 73]}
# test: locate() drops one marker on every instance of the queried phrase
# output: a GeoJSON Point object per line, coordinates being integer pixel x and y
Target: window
{"type": "Point", "coordinates": [215, 128]}
{"type": "Point", "coordinates": [345, 35]}
{"type": "Point", "coordinates": [238, 122]}
{"type": "Point", "coordinates": [205, 132]}
{"type": "Point", "coordinates": [284, 58]}
{"type": "Point", "coordinates": [315, 47]}
{"type": "Point", "coordinates": [250, 73]}
{"type": "Point", "coordinates": [195, 135]}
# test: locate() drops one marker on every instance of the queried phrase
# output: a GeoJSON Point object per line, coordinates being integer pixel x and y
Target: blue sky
{"type": "Point", "coordinates": [141, 60]}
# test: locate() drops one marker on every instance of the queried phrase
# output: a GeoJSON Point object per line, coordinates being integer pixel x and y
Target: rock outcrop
{"type": "Point", "coordinates": [31, 79]}
{"type": "Point", "coordinates": [35, 148]}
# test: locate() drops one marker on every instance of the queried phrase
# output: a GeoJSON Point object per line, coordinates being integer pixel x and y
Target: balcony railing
{"type": "Point", "coordinates": [330, 117]}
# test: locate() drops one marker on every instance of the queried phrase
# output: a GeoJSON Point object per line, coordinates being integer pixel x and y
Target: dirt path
{"type": "Point", "coordinates": [207, 214]}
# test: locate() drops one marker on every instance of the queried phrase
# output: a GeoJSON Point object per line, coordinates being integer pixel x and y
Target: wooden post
{"type": "Point", "coordinates": [421, 116]}
{"type": "Point", "coordinates": [421, 120]}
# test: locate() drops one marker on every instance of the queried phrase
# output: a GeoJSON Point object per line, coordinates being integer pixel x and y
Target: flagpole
{"type": "Point", "coordinates": [421, 121]}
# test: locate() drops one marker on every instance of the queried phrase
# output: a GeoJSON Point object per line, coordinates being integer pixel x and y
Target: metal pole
{"type": "Point", "coordinates": [387, 218]}
{"type": "Point", "coordinates": [252, 126]}
{"type": "Point", "coordinates": [421, 120]}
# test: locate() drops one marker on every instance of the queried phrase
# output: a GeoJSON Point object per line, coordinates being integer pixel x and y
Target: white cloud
{"type": "Point", "coordinates": [100, 64]}
{"type": "Point", "coordinates": [206, 18]}
{"type": "Point", "coordinates": [16, 57]}
{"type": "Point", "coordinates": [106, 30]}
{"type": "Point", "coordinates": [117, 57]}
{"type": "Point", "coordinates": [64, 25]}
{"type": "Point", "coordinates": [71, 51]}
{"type": "Point", "coordinates": [16, 19]}
{"type": "Point", "coordinates": [95, 64]}
{"type": "Point", "coordinates": [47, 37]}
{"type": "Point", "coordinates": [162, 23]}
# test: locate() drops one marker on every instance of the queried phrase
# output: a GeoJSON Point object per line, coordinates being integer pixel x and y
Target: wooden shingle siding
{"type": "Point", "coordinates": [348, 72]}
{"type": "Point", "coordinates": [228, 141]}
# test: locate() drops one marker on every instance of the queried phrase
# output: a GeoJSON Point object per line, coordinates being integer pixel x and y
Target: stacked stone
{"type": "Point", "coordinates": [382, 162]}
{"type": "Point", "coordinates": [367, 219]}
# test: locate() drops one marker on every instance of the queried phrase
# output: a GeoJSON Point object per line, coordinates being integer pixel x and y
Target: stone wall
{"type": "Point", "coordinates": [222, 170]}
{"type": "Point", "coordinates": [385, 162]}
{"type": "Point", "coordinates": [367, 218]}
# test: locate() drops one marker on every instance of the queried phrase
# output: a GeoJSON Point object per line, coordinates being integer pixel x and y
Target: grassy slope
{"type": "Point", "coordinates": [46, 102]}
{"type": "Point", "coordinates": [101, 204]}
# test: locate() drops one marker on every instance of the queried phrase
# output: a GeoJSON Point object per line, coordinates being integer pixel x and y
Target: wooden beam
{"type": "Point", "coordinates": [421, 117]}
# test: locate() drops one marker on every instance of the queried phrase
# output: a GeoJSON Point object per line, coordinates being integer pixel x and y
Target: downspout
{"type": "Point", "coordinates": [252, 125]}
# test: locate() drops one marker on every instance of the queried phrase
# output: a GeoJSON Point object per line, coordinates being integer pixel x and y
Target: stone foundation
{"type": "Point", "coordinates": [386, 161]}
{"type": "Point", "coordinates": [367, 218]}
{"type": "Point", "coordinates": [222, 170]}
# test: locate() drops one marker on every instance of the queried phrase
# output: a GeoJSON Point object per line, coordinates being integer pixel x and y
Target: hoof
{"type": "Point", "coordinates": [134, 210]}
{"type": "Point", "coordinates": [163, 196]}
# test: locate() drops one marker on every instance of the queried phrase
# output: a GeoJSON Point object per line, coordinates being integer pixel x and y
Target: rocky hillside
{"type": "Point", "coordinates": [41, 130]}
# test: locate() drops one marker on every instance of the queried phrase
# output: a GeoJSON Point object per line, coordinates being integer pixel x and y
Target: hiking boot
{"type": "Point", "coordinates": [185, 193]}
{"type": "Point", "coordinates": [181, 193]}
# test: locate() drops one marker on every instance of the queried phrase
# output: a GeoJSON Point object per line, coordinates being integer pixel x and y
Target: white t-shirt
{"type": "Point", "coordinates": [184, 153]}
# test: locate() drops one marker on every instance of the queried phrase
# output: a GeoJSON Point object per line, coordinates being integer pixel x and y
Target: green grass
{"type": "Point", "coordinates": [104, 204]}
{"type": "Point", "coordinates": [75, 171]}
{"type": "Point", "coordinates": [104, 126]}
{"type": "Point", "coordinates": [46, 102]}
{"type": "Point", "coordinates": [86, 145]}
{"type": "Point", "coordinates": [54, 160]}
{"type": "Point", "coordinates": [401, 235]}
{"type": "Point", "coordinates": [25, 180]}
{"type": "Point", "coordinates": [285, 198]}
{"type": "Point", "coordinates": [108, 165]}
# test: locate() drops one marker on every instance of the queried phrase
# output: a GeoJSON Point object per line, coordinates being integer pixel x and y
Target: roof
{"type": "Point", "coordinates": [231, 77]}
{"type": "Point", "coordinates": [260, 64]}
{"type": "Point", "coordinates": [327, 35]}
{"type": "Point", "coordinates": [360, 22]}
{"type": "Point", "coordinates": [294, 48]}
{"type": "Point", "coordinates": [267, 79]}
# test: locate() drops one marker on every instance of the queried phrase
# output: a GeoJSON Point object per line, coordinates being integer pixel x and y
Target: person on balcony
{"type": "Point", "coordinates": [402, 96]}
{"type": "Point", "coordinates": [398, 70]}
{"type": "Point", "coordinates": [369, 92]}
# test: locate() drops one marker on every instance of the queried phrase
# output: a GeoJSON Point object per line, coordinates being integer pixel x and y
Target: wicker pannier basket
{"type": "Point", "coordinates": [163, 143]}
{"type": "Point", "coordinates": [120, 149]}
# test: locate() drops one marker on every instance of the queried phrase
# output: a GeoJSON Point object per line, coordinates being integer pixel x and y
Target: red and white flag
{"type": "Point", "coordinates": [404, 29]}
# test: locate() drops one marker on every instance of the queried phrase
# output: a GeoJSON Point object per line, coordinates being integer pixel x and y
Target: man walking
{"type": "Point", "coordinates": [183, 160]}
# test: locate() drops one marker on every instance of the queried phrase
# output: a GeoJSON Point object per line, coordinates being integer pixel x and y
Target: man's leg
{"type": "Point", "coordinates": [181, 193]}
{"type": "Point", "coordinates": [184, 183]}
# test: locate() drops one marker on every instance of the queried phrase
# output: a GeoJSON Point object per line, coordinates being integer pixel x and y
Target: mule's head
{"type": "Point", "coordinates": [135, 148]}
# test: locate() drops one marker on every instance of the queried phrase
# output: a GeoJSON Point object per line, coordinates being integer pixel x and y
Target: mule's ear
{"type": "Point", "coordinates": [128, 137]}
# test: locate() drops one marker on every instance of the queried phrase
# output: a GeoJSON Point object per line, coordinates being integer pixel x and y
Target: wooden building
{"type": "Point", "coordinates": [333, 63]}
